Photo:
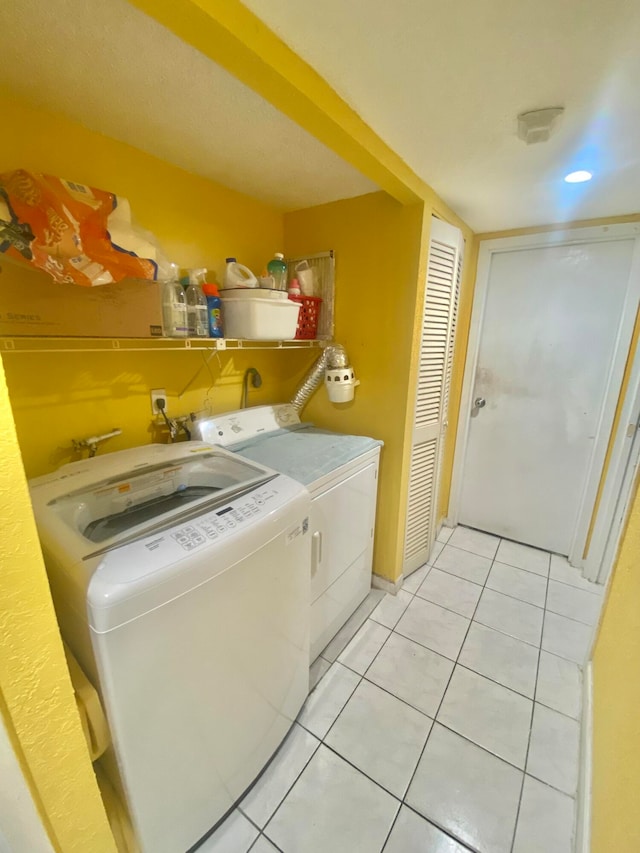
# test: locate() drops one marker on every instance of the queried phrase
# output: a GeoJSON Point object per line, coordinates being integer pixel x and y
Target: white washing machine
{"type": "Point", "coordinates": [180, 575]}
{"type": "Point", "coordinates": [341, 473]}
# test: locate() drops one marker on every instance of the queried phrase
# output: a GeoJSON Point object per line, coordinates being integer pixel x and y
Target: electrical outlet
{"type": "Point", "coordinates": [158, 394]}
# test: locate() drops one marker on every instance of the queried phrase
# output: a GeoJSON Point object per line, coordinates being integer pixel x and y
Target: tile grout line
{"type": "Point", "coordinates": [529, 571]}
{"type": "Point", "coordinates": [456, 662]}
{"type": "Point", "coordinates": [288, 791]}
{"type": "Point", "coordinates": [441, 829]}
{"type": "Point", "coordinates": [262, 835]}
{"type": "Point", "coordinates": [571, 619]}
{"type": "Point", "coordinates": [483, 587]}
{"type": "Point", "coordinates": [362, 677]}
{"type": "Point", "coordinates": [435, 718]}
{"type": "Point", "coordinates": [477, 621]}
{"type": "Point", "coordinates": [402, 800]}
{"type": "Point", "coordinates": [449, 660]}
{"type": "Point", "coordinates": [533, 708]}
{"type": "Point", "coordinates": [432, 718]}
{"type": "Point", "coordinates": [321, 740]}
{"type": "Point", "coordinates": [508, 594]}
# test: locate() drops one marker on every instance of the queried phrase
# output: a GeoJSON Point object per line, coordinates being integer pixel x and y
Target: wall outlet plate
{"type": "Point", "coordinates": [158, 394]}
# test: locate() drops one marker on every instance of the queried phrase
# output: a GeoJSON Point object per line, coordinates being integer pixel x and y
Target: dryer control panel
{"type": "Point", "coordinates": [245, 424]}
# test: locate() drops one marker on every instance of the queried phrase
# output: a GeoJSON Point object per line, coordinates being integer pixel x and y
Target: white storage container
{"type": "Point", "coordinates": [260, 315]}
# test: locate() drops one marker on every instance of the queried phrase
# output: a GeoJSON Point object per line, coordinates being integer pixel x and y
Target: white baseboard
{"type": "Point", "coordinates": [583, 799]}
{"type": "Point", "coordinates": [378, 582]}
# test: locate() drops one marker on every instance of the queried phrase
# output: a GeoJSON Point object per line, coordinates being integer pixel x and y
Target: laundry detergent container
{"type": "Point", "coordinates": [260, 315]}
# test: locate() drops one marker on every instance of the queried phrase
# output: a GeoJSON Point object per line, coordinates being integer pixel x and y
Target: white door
{"type": "Point", "coordinates": [432, 389]}
{"type": "Point", "coordinates": [554, 334]}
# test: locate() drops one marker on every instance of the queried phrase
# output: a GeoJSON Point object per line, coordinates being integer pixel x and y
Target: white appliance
{"type": "Point", "coordinates": [180, 575]}
{"type": "Point", "coordinates": [341, 473]}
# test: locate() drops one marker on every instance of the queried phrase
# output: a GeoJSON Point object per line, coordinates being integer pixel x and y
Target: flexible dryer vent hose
{"type": "Point", "coordinates": [332, 357]}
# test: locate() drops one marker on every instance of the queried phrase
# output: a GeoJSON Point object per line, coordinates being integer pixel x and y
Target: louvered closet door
{"type": "Point", "coordinates": [432, 390]}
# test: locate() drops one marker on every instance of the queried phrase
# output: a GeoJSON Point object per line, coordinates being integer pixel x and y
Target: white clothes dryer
{"type": "Point", "coordinates": [341, 473]}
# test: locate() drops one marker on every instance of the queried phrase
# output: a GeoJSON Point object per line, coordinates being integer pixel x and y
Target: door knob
{"type": "Point", "coordinates": [479, 403]}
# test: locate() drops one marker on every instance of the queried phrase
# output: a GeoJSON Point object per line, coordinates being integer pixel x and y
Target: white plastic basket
{"type": "Point", "coordinates": [259, 315]}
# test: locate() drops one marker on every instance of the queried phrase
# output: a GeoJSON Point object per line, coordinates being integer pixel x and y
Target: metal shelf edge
{"type": "Point", "coordinates": [32, 344]}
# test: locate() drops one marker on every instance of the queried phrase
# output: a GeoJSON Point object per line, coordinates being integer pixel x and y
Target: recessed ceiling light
{"type": "Point", "coordinates": [578, 177]}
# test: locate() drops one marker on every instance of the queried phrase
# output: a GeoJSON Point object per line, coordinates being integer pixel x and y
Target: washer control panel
{"type": "Point", "coordinates": [222, 521]}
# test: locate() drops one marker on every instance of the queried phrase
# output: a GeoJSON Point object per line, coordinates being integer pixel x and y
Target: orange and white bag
{"type": "Point", "coordinates": [76, 233]}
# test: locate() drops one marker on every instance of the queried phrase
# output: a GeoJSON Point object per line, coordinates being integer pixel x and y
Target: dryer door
{"type": "Point", "coordinates": [341, 524]}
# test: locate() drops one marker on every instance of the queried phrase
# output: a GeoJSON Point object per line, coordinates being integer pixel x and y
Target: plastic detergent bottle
{"type": "Point", "coordinates": [214, 312]}
{"type": "Point", "coordinates": [174, 306]}
{"type": "Point", "coordinates": [278, 269]}
{"type": "Point", "coordinates": [237, 275]}
{"type": "Point", "coordinates": [197, 313]}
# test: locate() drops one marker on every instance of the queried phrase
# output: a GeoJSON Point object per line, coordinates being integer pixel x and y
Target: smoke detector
{"type": "Point", "coordinates": [536, 125]}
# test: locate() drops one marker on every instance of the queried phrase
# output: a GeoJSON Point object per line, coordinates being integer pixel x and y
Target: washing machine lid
{"type": "Point", "coordinates": [123, 496]}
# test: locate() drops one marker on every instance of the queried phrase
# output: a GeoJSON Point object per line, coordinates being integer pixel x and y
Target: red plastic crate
{"type": "Point", "coordinates": [309, 315]}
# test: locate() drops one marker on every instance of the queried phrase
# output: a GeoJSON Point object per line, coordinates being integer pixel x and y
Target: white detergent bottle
{"type": "Point", "coordinates": [174, 306]}
{"type": "Point", "coordinates": [237, 275]}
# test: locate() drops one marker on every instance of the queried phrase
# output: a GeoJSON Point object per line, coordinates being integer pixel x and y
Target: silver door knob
{"type": "Point", "coordinates": [479, 403]}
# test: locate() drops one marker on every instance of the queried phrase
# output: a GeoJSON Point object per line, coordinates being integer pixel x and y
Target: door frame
{"type": "Point", "coordinates": [572, 236]}
{"type": "Point", "coordinates": [618, 484]}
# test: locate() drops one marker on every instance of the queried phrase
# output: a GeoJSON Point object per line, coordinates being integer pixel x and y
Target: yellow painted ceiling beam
{"type": "Point", "coordinates": [233, 37]}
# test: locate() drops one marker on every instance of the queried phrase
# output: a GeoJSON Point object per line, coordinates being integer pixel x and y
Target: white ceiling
{"type": "Point", "coordinates": [443, 82]}
{"type": "Point", "coordinates": [111, 68]}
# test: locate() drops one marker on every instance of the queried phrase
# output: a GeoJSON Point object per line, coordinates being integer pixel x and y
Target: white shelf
{"type": "Point", "coordinates": [45, 345]}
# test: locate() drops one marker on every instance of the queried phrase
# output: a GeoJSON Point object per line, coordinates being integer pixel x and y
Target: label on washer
{"type": "Point", "coordinates": [298, 530]}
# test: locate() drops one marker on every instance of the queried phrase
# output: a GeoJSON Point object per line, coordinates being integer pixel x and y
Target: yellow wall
{"type": "Point", "coordinates": [37, 700]}
{"type": "Point", "coordinates": [378, 251]}
{"type": "Point", "coordinates": [616, 704]}
{"type": "Point", "coordinates": [59, 397]}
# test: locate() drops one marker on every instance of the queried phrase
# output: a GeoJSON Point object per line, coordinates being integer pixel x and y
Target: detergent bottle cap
{"type": "Point", "coordinates": [210, 289]}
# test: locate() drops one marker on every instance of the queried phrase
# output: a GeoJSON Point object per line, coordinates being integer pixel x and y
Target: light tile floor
{"type": "Point", "coordinates": [443, 719]}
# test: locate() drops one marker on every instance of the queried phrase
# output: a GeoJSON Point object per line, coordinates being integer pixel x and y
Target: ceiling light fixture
{"type": "Point", "coordinates": [578, 177]}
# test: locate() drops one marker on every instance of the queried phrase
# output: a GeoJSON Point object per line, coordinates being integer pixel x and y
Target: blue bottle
{"type": "Point", "coordinates": [214, 312]}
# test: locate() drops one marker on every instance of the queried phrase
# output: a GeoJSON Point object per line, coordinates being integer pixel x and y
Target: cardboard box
{"type": "Point", "coordinates": [32, 304]}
